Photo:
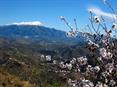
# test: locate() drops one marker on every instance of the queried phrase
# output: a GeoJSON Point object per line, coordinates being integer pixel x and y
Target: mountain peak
{"type": "Point", "coordinates": [34, 23]}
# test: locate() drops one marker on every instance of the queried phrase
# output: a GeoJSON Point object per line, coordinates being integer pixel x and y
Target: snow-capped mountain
{"type": "Point", "coordinates": [35, 23]}
{"type": "Point", "coordinates": [37, 32]}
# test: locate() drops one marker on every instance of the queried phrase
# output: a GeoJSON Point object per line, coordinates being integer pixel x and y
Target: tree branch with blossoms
{"type": "Point", "coordinates": [99, 69]}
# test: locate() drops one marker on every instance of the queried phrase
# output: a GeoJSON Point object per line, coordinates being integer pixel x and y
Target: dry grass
{"type": "Point", "coordinates": [7, 80]}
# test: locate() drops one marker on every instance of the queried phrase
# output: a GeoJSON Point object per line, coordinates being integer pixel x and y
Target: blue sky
{"type": "Point", "coordinates": [49, 11]}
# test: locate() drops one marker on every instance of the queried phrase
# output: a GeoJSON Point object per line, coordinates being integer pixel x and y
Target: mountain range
{"type": "Point", "coordinates": [40, 34]}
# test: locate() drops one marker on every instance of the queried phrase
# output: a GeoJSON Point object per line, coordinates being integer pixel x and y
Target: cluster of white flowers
{"type": "Point", "coordinates": [109, 67]}
{"type": "Point", "coordinates": [105, 41]}
{"type": "Point", "coordinates": [99, 67]}
{"type": "Point", "coordinates": [81, 83]}
{"type": "Point", "coordinates": [99, 84]}
{"type": "Point", "coordinates": [91, 43]}
{"type": "Point", "coordinates": [91, 69]}
{"type": "Point", "coordinates": [105, 54]}
{"type": "Point", "coordinates": [96, 69]}
{"type": "Point", "coordinates": [72, 33]}
{"type": "Point", "coordinates": [48, 58]}
{"type": "Point", "coordinates": [86, 83]}
{"type": "Point", "coordinates": [99, 73]}
{"type": "Point", "coordinates": [82, 60]}
{"type": "Point", "coordinates": [72, 83]}
{"type": "Point", "coordinates": [102, 71]}
{"type": "Point", "coordinates": [75, 61]}
{"type": "Point", "coordinates": [65, 65]}
{"type": "Point", "coordinates": [62, 18]}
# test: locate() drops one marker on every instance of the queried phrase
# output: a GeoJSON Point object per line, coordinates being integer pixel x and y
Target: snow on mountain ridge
{"type": "Point", "coordinates": [36, 23]}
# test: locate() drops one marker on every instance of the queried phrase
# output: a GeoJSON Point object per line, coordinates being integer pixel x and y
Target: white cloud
{"type": "Point", "coordinates": [99, 12]}
{"type": "Point", "coordinates": [37, 23]}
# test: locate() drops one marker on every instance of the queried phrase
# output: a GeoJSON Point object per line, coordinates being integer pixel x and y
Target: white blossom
{"type": "Point", "coordinates": [72, 33]}
{"type": "Point", "coordinates": [48, 58]}
{"type": "Point", "coordinates": [105, 54]}
{"type": "Point", "coordinates": [109, 55]}
{"type": "Point", "coordinates": [69, 66]}
{"type": "Point", "coordinates": [73, 61]}
{"type": "Point", "coordinates": [54, 62]}
{"type": "Point", "coordinates": [112, 82]}
{"type": "Point", "coordinates": [114, 26]}
{"type": "Point", "coordinates": [96, 68]}
{"type": "Point", "coordinates": [69, 81]}
{"type": "Point", "coordinates": [109, 67]}
{"type": "Point", "coordinates": [87, 83]}
{"type": "Point", "coordinates": [62, 65]}
{"type": "Point", "coordinates": [91, 43]}
{"type": "Point", "coordinates": [99, 58]}
{"type": "Point", "coordinates": [89, 68]}
{"type": "Point", "coordinates": [82, 60]}
{"type": "Point", "coordinates": [42, 56]}
{"type": "Point", "coordinates": [96, 19]}
{"type": "Point", "coordinates": [105, 74]}
{"type": "Point", "coordinates": [62, 18]}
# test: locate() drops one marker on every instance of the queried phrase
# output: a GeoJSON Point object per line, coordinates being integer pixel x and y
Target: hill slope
{"type": "Point", "coordinates": [7, 80]}
{"type": "Point", "coordinates": [39, 33]}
